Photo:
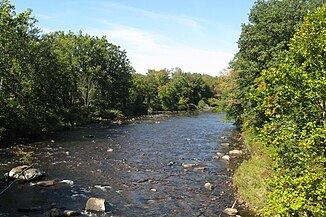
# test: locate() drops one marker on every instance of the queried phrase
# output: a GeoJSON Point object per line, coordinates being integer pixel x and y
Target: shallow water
{"type": "Point", "coordinates": [131, 167]}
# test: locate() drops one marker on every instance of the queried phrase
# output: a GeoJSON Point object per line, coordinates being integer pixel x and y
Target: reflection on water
{"type": "Point", "coordinates": [137, 168]}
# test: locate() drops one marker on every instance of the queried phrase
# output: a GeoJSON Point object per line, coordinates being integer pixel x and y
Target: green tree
{"type": "Point", "coordinates": [292, 96]}
{"type": "Point", "coordinates": [138, 94]}
{"type": "Point", "coordinates": [155, 80]}
{"type": "Point", "coordinates": [263, 44]}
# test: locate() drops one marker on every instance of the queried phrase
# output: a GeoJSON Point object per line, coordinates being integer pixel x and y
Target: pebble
{"type": "Point", "coordinates": [153, 190]}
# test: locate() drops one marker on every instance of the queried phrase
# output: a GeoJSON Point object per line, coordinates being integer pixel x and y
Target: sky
{"type": "Point", "coordinates": [198, 36]}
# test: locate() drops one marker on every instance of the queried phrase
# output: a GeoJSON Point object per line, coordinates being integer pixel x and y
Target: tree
{"type": "Point", "coordinates": [263, 44]}
{"type": "Point", "coordinates": [292, 97]}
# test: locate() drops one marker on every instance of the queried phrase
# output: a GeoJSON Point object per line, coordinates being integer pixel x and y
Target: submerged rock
{"type": "Point", "coordinates": [24, 172]}
{"type": "Point", "coordinates": [46, 183]}
{"type": "Point", "coordinates": [200, 169]}
{"type": "Point", "coordinates": [95, 204]}
{"type": "Point", "coordinates": [53, 213]}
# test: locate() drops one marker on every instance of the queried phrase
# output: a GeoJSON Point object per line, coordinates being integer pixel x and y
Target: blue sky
{"type": "Point", "coordinates": [195, 35]}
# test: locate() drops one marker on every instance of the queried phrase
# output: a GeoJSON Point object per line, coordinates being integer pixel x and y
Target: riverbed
{"type": "Point", "coordinates": [140, 169]}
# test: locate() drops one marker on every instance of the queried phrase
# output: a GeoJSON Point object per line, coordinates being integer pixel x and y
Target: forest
{"type": "Point", "coordinates": [56, 80]}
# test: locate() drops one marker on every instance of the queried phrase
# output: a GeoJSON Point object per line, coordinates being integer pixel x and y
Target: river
{"type": "Point", "coordinates": [137, 168]}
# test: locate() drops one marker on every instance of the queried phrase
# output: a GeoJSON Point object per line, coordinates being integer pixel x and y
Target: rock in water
{"type": "Point", "coordinates": [95, 204]}
{"type": "Point", "coordinates": [230, 211]}
{"type": "Point", "coordinates": [226, 157]}
{"type": "Point", "coordinates": [25, 173]}
{"type": "Point", "coordinates": [208, 186]}
{"type": "Point", "coordinates": [225, 144]}
{"type": "Point", "coordinates": [71, 213]}
{"type": "Point", "coordinates": [187, 165]}
{"type": "Point", "coordinates": [171, 163]}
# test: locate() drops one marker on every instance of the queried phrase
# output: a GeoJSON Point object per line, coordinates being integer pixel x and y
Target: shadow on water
{"type": "Point", "coordinates": [139, 169]}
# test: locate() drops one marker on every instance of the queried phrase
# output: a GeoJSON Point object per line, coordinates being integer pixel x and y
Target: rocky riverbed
{"type": "Point", "coordinates": [166, 166]}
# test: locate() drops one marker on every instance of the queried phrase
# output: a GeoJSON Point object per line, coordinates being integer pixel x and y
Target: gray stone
{"type": "Point", "coordinates": [95, 204]}
{"type": "Point", "coordinates": [230, 211]}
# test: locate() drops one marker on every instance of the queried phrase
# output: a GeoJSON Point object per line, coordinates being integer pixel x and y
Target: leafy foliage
{"type": "Point", "coordinates": [288, 107]}
{"type": "Point", "coordinates": [54, 80]}
{"type": "Point", "coordinates": [263, 44]}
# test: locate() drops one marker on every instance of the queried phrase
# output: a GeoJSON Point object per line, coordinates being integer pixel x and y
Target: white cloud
{"type": "Point", "coordinates": [150, 51]}
{"type": "Point", "coordinates": [189, 60]}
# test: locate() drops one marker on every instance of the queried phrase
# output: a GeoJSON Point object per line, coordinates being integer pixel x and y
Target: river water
{"type": "Point", "coordinates": [137, 168]}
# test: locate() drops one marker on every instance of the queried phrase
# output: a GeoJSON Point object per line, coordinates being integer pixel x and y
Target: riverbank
{"type": "Point", "coordinates": [250, 177]}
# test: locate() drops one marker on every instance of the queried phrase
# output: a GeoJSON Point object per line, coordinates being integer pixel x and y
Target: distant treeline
{"type": "Point", "coordinates": [49, 81]}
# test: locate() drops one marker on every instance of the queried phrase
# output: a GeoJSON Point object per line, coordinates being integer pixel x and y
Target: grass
{"type": "Point", "coordinates": [250, 176]}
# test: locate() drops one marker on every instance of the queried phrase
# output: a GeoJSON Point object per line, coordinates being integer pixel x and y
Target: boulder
{"type": "Point", "coordinates": [226, 157]}
{"type": "Point", "coordinates": [24, 172]}
{"type": "Point", "coordinates": [95, 204]}
{"type": "Point", "coordinates": [230, 211]}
